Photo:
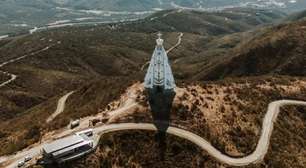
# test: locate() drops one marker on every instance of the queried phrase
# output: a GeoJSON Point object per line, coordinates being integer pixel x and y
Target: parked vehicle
{"type": "Point", "coordinates": [74, 124]}
{"type": "Point", "coordinates": [41, 161]}
{"type": "Point", "coordinates": [27, 158]}
{"type": "Point", "coordinates": [20, 164]}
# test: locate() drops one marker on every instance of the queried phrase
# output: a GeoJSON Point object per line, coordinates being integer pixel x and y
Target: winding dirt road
{"type": "Point", "coordinates": [179, 41]}
{"type": "Point", "coordinates": [13, 76]}
{"type": "Point", "coordinates": [60, 107]}
{"type": "Point", "coordinates": [257, 156]}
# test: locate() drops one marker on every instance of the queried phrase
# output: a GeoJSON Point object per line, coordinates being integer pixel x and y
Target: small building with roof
{"type": "Point", "coordinates": [67, 149]}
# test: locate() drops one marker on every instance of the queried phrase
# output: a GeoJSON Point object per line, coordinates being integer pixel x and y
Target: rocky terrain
{"type": "Point", "coordinates": [226, 76]}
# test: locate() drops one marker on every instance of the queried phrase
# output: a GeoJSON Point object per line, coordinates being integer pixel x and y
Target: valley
{"type": "Point", "coordinates": [40, 14]}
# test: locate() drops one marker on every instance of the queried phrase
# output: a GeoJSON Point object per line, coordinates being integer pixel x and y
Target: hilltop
{"type": "Point", "coordinates": [228, 114]}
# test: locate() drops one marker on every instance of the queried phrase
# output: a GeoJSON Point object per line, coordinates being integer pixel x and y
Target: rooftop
{"type": "Point", "coordinates": [63, 143]}
{"type": "Point", "coordinates": [59, 152]}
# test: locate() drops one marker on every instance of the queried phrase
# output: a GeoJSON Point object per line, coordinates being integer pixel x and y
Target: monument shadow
{"type": "Point", "coordinates": [161, 101]}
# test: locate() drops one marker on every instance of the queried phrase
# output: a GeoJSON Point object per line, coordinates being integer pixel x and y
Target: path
{"type": "Point", "coordinates": [13, 76]}
{"type": "Point", "coordinates": [60, 107]}
{"type": "Point", "coordinates": [179, 41]}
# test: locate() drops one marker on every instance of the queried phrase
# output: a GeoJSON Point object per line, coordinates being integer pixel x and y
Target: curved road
{"type": "Point", "coordinates": [35, 29]}
{"type": "Point", "coordinates": [257, 156]}
{"type": "Point", "coordinates": [179, 41]}
{"type": "Point", "coordinates": [60, 107]}
{"type": "Point", "coordinates": [13, 76]}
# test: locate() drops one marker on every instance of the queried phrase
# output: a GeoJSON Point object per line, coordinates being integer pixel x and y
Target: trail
{"type": "Point", "coordinates": [47, 27]}
{"type": "Point", "coordinates": [60, 107]}
{"type": "Point", "coordinates": [13, 77]}
{"type": "Point", "coordinates": [257, 156]}
{"type": "Point", "coordinates": [179, 41]}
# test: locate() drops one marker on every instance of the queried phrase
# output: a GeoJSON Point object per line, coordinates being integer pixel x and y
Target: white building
{"type": "Point", "coordinates": [67, 149]}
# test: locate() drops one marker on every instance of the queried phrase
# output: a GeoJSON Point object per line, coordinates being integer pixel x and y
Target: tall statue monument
{"type": "Point", "coordinates": [159, 84]}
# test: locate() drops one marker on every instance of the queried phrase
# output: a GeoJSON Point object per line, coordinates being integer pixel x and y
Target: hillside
{"type": "Point", "coordinates": [276, 50]}
{"type": "Point", "coordinates": [296, 16]}
{"type": "Point", "coordinates": [228, 114]}
{"type": "Point", "coordinates": [75, 57]}
{"type": "Point", "coordinates": [205, 23]}
{"type": "Point", "coordinates": [253, 60]}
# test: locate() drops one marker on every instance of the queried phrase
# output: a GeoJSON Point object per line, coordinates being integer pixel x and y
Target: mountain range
{"type": "Point", "coordinates": [22, 15]}
{"type": "Point", "coordinates": [166, 4]}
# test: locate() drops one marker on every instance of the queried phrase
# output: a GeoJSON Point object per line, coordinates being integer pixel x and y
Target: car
{"type": "Point", "coordinates": [20, 163]}
{"type": "Point", "coordinates": [88, 132]}
{"type": "Point", "coordinates": [27, 158]}
{"type": "Point", "coordinates": [40, 162]}
{"type": "Point", "coordinates": [74, 124]}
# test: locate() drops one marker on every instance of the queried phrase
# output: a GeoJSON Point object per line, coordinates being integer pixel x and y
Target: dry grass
{"type": "Point", "coordinates": [227, 113]}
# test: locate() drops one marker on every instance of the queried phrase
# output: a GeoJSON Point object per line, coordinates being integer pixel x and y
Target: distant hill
{"type": "Point", "coordinates": [296, 16]}
{"type": "Point", "coordinates": [22, 15]}
{"type": "Point", "coordinates": [140, 5]}
{"type": "Point", "coordinates": [205, 23]}
{"type": "Point", "coordinates": [277, 50]}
